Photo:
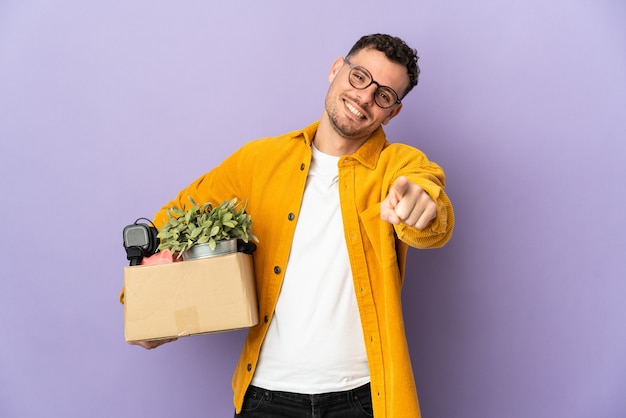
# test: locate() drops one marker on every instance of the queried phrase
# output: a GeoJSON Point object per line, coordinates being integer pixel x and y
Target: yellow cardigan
{"type": "Point", "coordinates": [271, 174]}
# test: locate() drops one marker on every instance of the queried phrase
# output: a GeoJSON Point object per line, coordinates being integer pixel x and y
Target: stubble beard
{"type": "Point", "coordinates": [347, 129]}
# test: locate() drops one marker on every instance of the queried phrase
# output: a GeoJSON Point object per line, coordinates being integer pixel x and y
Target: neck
{"type": "Point", "coordinates": [328, 141]}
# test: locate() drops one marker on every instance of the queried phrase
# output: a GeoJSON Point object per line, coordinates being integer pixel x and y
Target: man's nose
{"type": "Point", "coordinates": [368, 94]}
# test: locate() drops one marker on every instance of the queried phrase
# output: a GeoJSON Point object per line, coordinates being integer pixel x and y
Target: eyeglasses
{"type": "Point", "coordinates": [361, 79]}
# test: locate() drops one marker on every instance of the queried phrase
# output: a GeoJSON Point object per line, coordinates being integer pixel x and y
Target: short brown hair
{"type": "Point", "coordinates": [396, 50]}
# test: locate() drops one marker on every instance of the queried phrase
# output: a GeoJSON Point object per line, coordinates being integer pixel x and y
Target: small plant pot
{"type": "Point", "coordinates": [205, 251]}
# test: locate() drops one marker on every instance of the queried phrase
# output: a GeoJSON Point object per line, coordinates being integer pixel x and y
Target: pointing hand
{"type": "Point", "coordinates": [408, 203]}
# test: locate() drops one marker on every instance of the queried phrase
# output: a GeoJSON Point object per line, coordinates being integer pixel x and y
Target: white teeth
{"type": "Point", "coordinates": [354, 110]}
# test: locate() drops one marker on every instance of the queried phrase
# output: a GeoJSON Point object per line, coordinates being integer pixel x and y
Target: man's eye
{"type": "Point", "coordinates": [385, 99]}
{"type": "Point", "coordinates": [386, 96]}
{"type": "Point", "coordinates": [358, 78]}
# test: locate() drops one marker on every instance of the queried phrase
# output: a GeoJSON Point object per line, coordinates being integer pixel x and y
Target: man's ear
{"type": "Point", "coordinates": [334, 69]}
{"type": "Point", "coordinates": [393, 113]}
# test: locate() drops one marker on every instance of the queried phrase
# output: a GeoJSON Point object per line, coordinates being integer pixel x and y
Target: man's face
{"type": "Point", "coordinates": [353, 113]}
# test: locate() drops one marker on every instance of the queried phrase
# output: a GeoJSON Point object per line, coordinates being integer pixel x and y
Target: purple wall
{"type": "Point", "coordinates": [108, 108]}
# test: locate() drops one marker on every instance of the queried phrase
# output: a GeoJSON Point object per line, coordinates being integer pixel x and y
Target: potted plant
{"type": "Point", "coordinates": [206, 230]}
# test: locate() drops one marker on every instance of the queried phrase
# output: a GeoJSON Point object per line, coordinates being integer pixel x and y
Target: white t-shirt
{"type": "Point", "coordinates": [315, 341]}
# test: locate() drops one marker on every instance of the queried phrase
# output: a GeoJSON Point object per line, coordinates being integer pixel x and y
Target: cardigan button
{"type": "Point", "coordinates": [249, 367]}
{"type": "Point", "coordinates": [266, 319]}
{"type": "Point", "coordinates": [291, 216]}
{"type": "Point", "coordinates": [302, 167]}
{"type": "Point", "coordinates": [277, 270]}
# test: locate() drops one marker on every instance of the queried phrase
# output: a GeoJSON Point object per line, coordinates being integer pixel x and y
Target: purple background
{"type": "Point", "coordinates": [107, 109]}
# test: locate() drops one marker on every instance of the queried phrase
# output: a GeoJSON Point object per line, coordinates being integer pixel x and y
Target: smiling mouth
{"type": "Point", "coordinates": [354, 110]}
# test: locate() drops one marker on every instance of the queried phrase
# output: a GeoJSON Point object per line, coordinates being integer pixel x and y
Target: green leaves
{"type": "Point", "coordinates": [205, 224]}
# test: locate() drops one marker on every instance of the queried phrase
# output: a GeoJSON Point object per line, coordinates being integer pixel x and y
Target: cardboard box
{"type": "Point", "coordinates": [189, 297]}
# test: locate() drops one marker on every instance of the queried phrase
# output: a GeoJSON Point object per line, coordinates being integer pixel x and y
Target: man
{"type": "Point", "coordinates": [335, 207]}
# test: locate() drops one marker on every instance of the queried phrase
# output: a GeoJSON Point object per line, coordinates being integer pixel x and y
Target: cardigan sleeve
{"type": "Point", "coordinates": [418, 169]}
{"type": "Point", "coordinates": [223, 182]}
